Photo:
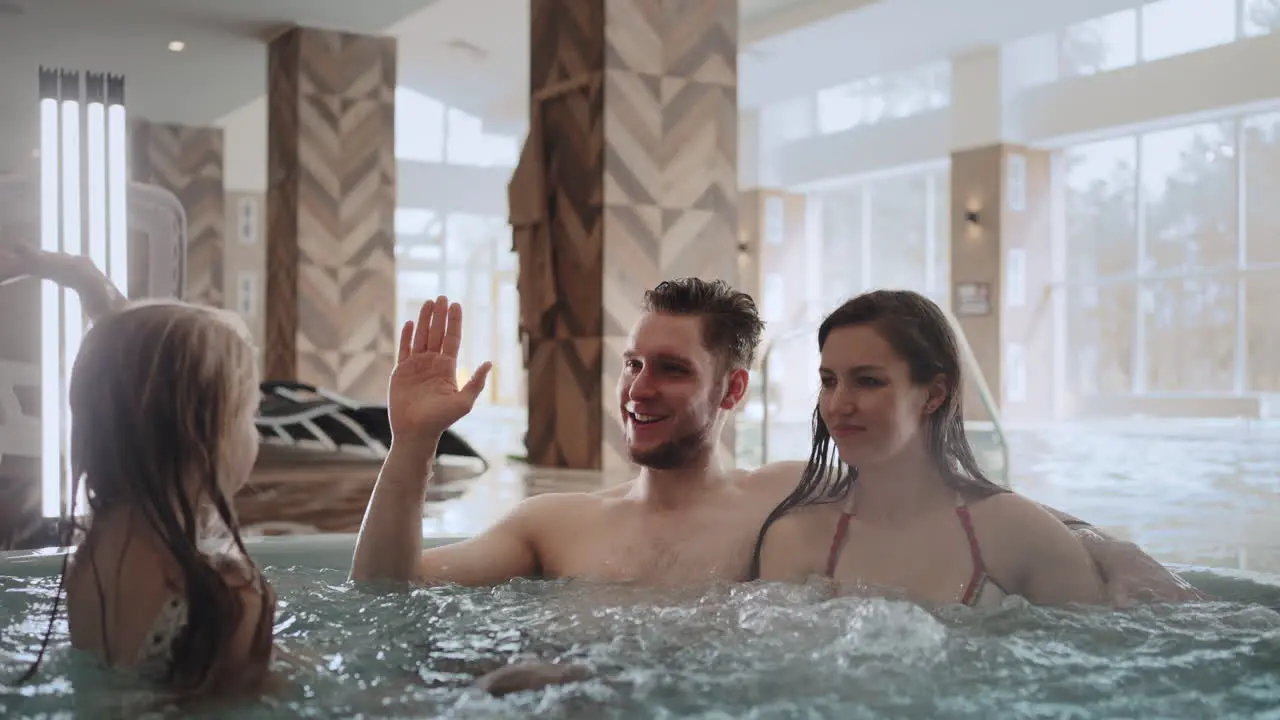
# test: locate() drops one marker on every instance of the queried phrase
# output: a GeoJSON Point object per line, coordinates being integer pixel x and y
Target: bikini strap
{"type": "Point", "coordinates": [837, 542]}
{"type": "Point", "coordinates": [979, 567]}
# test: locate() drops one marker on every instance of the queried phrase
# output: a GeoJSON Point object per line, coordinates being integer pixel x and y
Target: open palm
{"type": "Point", "coordinates": [423, 397]}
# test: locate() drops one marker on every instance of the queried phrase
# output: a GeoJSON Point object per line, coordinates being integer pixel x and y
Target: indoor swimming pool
{"type": "Point", "coordinates": [747, 651]}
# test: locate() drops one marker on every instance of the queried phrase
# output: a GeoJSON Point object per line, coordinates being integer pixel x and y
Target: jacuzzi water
{"type": "Point", "coordinates": [748, 651]}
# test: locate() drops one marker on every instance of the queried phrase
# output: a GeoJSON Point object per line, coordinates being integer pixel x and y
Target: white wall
{"type": "Point", "coordinates": [245, 143]}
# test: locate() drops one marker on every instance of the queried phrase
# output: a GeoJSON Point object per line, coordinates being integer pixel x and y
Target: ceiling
{"type": "Point", "coordinates": [474, 51]}
{"type": "Point", "coordinates": [222, 67]}
{"type": "Point", "coordinates": [472, 54]}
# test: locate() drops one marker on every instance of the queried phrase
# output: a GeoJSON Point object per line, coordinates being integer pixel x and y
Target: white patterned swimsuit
{"type": "Point", "coordinates": [156, 653]}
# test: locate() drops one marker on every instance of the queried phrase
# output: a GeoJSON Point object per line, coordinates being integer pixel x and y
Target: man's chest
{"type": "Point", "coordinates": [695, 551]}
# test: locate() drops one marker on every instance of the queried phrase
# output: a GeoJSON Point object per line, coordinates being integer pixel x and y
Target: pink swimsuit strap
{"type": "Point", "coordinates": [976, 580]}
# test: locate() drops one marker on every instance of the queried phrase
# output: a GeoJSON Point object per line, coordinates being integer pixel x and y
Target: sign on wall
{"type": "Point", "coordinates": [247, 294]}
{"type": "Point", "coordinates": [973, 299]}
{"type": "Point", "coordinates": [247, 213]}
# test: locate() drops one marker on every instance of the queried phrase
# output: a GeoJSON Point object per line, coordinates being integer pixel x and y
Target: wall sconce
{"type": "Point", "coordinates": [972, 224]}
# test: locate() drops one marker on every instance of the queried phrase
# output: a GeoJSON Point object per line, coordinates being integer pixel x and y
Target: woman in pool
{"type": "Point", "coordinates": [163, 397]}
{"type": "Point", "coordinates": [892, 497]}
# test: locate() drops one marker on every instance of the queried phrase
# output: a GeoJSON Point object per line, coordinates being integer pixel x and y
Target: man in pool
{"type": "Point", "coordinates": [684, 520]}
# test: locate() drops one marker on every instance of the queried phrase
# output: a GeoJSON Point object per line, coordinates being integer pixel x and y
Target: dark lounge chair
{"type": "Point", "coordinates": [306, 417]}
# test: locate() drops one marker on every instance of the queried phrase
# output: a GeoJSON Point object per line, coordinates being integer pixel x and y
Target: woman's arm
{"type": "Point", "coordinates": [1031, 553]}
{"type": "Point", "coordinates": [1130, 574]}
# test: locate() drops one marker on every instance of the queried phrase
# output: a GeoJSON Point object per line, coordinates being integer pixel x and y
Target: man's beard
{"type": "Point", "coordinates": [676, 453]}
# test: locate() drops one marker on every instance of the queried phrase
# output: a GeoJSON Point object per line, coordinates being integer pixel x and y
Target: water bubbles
{"type": "Point", "coordinates": [745, 651]}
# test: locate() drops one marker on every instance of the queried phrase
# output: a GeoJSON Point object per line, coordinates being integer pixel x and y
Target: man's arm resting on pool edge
{"type": "Point", "coordinates": [389, 547]}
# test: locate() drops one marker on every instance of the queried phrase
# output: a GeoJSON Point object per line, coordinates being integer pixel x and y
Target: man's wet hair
{"type": "Point", "coordinates": [731, 324]}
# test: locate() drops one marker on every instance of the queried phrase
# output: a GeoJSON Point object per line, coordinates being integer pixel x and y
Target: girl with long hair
{"type": "Point", "coordinates": [163, 397]}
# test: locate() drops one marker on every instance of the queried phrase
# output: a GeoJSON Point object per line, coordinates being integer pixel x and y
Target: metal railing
{"type": "Point", "coordinates": [968, 360]}
{"type": "Point", "coordinates": [765, 410]}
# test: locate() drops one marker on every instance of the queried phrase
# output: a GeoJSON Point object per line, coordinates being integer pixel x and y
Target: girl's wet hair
{"type": "Point", "coordinates": [158, 394]}
{"type": "Point", "coordinates": [918, 331]}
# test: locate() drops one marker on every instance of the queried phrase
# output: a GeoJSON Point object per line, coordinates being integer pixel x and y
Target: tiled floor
{"type": "Point", "coordinates": [1188, 492]}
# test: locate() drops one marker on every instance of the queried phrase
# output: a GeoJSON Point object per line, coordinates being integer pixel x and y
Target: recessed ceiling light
{"type": "Point", "coordinates": [177, 46]}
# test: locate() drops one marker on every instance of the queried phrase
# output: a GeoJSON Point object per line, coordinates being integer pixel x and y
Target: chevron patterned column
{"type": "Point", "coordinates": [188, 162]}
{"type": "Point", "coordinates": [331, 285]}
{"type": "Point", "coordinates": [636, 107]}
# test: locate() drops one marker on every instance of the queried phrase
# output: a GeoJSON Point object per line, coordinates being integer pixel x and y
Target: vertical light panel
{"type": "Point", "coordinates": [117, 186]}
{"type": "Point", "coordinates": [72, 244]}
{"type": "Point", "coordinates": [95, 187]}
{"type": "Point", "coordinates": [50, 304]}
{"type": "Point", "coordinates": [95, 136]}
{"type": "Point", "coordinates": [83, 211]}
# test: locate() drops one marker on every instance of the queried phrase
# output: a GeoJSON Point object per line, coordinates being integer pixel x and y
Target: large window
{"type": "Point", "coordinates": [1260, 288]}
{"type": "Point", "coordinates": [1261, 17]}
{"type": "Point", "coordinates": [884, 97]}
{"type": "Point", "coordinates": [469, 258]}
{"type": "Point", "coordinates": [1106, 43]}
{"type": "Point", "coordinates": [1188, 294]}
{"type": "Point", "coordinates": [465, 256]}
{"type": "Point", "coordinates": [1177, 27]}
{"type": "Point", "coordinates": [429, 131]}
{"type": "Point", "coordinates": [1152, 31]}
{"type": "Point", "coordinates": [1101, 232]}
{"type": "Point", "coordinates": [1173, 261]}
{"type": "Point", "coordinates": [887, 232]}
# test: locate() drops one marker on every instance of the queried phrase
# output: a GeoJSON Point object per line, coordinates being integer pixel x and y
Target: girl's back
{"type": "Point", "coordinates": [163, 398]}
{"type": "Point", "coordinates": [124, 597]}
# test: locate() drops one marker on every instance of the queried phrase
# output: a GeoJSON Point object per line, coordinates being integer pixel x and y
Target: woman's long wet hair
{"type": "Point", "coordinates": [158, 394]}
{"type": "Point", "coordinates": [918, 331]}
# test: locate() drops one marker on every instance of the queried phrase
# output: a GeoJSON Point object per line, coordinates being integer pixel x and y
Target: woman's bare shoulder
{"type": "Point", "coordinates": [1012, 510]}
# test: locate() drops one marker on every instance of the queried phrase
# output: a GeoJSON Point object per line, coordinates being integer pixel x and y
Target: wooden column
{"type": "Point", "coordinates": [635, 103]}
{"type": "Point", "coordinates": [188, 162]}
{"type": "Point", "coordinates": [331, 197]}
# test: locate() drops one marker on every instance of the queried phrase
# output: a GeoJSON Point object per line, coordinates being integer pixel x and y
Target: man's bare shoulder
{"type": "Point", "coordinates": [554, 503]}
{"type": "Point", "coordinates": [776, 478]}
{"type": "Point", "coordinates": [548, 511]}
{"type": "Point", "coordinates": [614, 492]}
